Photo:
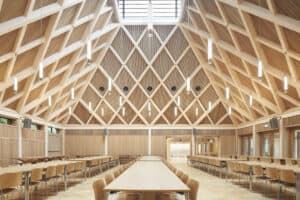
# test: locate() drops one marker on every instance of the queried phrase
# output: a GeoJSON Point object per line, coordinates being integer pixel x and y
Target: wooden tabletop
{"type": "Point", "coordinates": [91, 158]}
{"type": "Point", "coordinates": [215, 158]}
{"type": "Point", "coordinates": [295, 168]}
{"type": "Point", "coordinates": [150, 158]}
{"type": "Point", "coordinates": [152, 176]}
{"type": "Point", "coordinates": [30, 167]}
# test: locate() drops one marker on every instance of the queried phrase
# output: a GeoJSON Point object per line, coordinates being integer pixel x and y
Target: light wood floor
{"type": "Point", "coordinates": [211, 188]}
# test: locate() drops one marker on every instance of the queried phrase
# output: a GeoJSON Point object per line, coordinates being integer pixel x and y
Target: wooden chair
{"type": "Point", "coordinates": [194, 186]}
{"type": "Point", "coordinates": [98, 187]}
{"type": "Point", "coordinates": [116, 173]}
{"type": "Point", "coordinates": [9, 183]}
{"type": "Point", "coordinates": [108, 178]}
{"type": "Point", "coordinates": [49, 175]}
{"type": "Point", "coordinates": [184, 178]}
{"type": "Point", "coordinates": [289, 161]}
{"type": "Point", "coordinates": [287, 176]}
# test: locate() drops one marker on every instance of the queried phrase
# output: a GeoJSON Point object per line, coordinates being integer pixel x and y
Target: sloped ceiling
{"type": "Point", "coordinates": [54, 32]}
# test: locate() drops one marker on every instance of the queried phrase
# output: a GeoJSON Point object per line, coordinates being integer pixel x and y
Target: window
{"type": "Point", "coordinates": [266, 148]}
{"type": "Point", "coordinates": [52, 130]}
{"type": "Point", "coordinates": [199, 148]}
{"type": "Point", "coordinates": [251, 146]}
{"type": "Point", "coordinates": [146, 11]}
{"type": "Point", "coordinates": [5, 120]}
{"type": "Point", "coordinates": [35, 127]}
{"type": "Point", "coordinates": [297, 145]}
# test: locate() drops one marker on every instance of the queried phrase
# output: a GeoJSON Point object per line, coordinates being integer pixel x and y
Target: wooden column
{"type": "Point", "coordinates": [193, 141]}
{"type": "Point", "coordinates": [19, 127]}
{"type": "Point", "coordinates": [105, 141]}
{"type": "Point", "coordinates": [149, 141]}
{"type": "Point", "coordinates": [46, 140]}
{"type": "Point", "coordinates": [63, 133]}
{"type": "Point", "coordinates": [284, 140]}
{"type": "Point", "coordinates": [256, 142]}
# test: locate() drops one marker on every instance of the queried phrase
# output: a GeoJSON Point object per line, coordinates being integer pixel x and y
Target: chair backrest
{"type": "Point", "coordinates": [36, 175]}
{"type": "Point", "coordinates": [298, 163]}
{"type": "Point", "coordinates": [289, 161]}
{"type": "Point", "coordinates": [50, 172]}
{"type": "Point", "coordinates": [194, 186]}
{"type": "Point", "coordinates": [10, 180]}
{"type": "Point", "coordinates": [60, 170]}
{"type": "Point", "coordinates": [70, 167]}
{"type": "Point", "coordinates": [108, 178]}
{"type": "Point", "coordinates": [78, 166]}
{"type": "Point", "coordinates": [184, 178]}
{"type": "Point", "coordinates": [272, 173]}
{"type": "Point", "coordinates": [287, 176]}
{"type": "Point", "coordinates": [98, 187]}
{"type": "Point", "coordinates": [179, 173]}
{"type": "Point", "coordinates": [258, 170]}
{"type": "Point", "coordinates": [116, 173]}
{"type": "Point", "coordinates": [244, 168]}
{"type": "Point", "coordinates": [277, 161]}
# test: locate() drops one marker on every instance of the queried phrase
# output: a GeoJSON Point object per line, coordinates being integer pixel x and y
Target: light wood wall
{"type": "Point", "coordinates": [159, 139]}
{"type": "Point", "coordinates": [128, 142]}
{"type": "Point", "coordinates": [227, 145]}
{"type": "Point", "coordinates": [55, 144]}
{"type": "Point", "coordinates": [84, 142]}
{"type": "Point", "coordinates": [33, 143]}
{"type": "Point", "coordinates": [8, 144]}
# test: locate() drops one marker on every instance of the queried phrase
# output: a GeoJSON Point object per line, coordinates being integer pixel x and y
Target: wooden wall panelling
{"type": "Point", "coordinates": [159, 139]}
{"type": "Point", "coordinates": [8, 144]}
{"type": "Point", "coordinates": [291, 121]}
{"type": "Point", "coordinates": [55, 144]}
{"type": "Point", "coordinates": [33, 143]}
{"type": "Point", "coordinates": [84, 142]}
{"type": "Point", "coordinates": [127, 142]}
{"type": "Point", "coordinates": [227, 145]}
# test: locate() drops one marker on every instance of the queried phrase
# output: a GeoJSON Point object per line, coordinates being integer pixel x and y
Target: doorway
{"type": "Point", "coordinates": [179, 152]}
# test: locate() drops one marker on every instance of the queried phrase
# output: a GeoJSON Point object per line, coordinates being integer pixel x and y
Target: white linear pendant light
{"type": "Point", "coordinates": [120, 101]}
{"type": "Point", "coordinates": [175, 111]}
{"type": "Point", "coordinates": [285, 84]}
{"type": "Point", "coordinates": [16, 87]}
{"type": "Point", "coordinates": [89, 50]}
{"type": "Point", "coordinates": [109, 85]}
{"type": "Point", "coordinates": [251, 100]}
{"type": "Point", "coordinates": [229, 110]}
{"type": "Point", "coordinates": [178, 101]}
{"type": "Point", "coordinates": [70, 110]}
{"type": "Point", "coordinates": [49, 101]}
{"type": "Point", "coordinates": [197, 111]}
{"type": "Point", "coordinates": [209, 106]}
{"type": "Point", "coordinates": [41, 70]}
{"type": "Point", "coordinates": [123, 111]}
{"type": "Point", "coordinates": [260, 70]}
{"type": "Point", "coordinates": [90, 106]}
{"type": "Point", "coordinates": [209, 50]}
{"type": "Point", "coordinates": [227, 90]}
{"type": "Point", "coordinates": [73, 94]}
{"type": "Point", "coordinates": [102, 112]}
{"type": "Point", "coordinates": [188, 85]}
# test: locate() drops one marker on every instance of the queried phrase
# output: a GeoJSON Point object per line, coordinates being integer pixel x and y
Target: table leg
{"type": "Point", "coordinates": [187, 196]}
{"type": "Point", "coordinates": [250, 179]}
{"type": "Point", "coordinates": [26, 185]}
{"type": "Point", "coordinates": [298, 186]}
{"type": "Point", "coordinates": [65, 177]}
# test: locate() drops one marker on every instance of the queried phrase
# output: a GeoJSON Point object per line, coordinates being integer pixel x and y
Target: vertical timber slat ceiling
{"type": "Point", "coordinates": [55, 33]}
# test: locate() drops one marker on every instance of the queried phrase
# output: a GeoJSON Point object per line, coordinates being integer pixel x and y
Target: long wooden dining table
{"type": "Point", "coordinates": [265, 165]}
{"type": "Point", "coordinates": [27, 168]}
{"type": "Point", "coordinates": [148, 177]}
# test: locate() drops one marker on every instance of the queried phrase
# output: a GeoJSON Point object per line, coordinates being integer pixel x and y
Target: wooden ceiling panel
{"type": "Point", "coordinates": [11, 9]}
{"type": "Point", "coordinates": [177, 44]}
{"type": "Point", "coordinates": [188, 63]}
{"type": "Point", "coordinates": [25, 60]}
{"type": "Point", "coordinates": [176, 80]}
{"type": "Point", "coordinates": [136, 64]}
{"type": "Point", "coordinates": [7, 42]}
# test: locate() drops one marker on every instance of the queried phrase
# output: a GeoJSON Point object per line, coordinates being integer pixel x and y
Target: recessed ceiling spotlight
{"type": "Point", "coordinates": [198, 88]}
{"type": "Point", "coordinates": [149, 88]}
{"type": "Point", "coordinates": [125, 88]}
{"type": "Point", "coordinates": [174, 88]}
{"type": "Point", "coordinates": [101, 88]}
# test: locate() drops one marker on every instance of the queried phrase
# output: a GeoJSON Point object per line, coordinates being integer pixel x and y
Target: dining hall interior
{"type": "Point", "coordinates": [149, 99]}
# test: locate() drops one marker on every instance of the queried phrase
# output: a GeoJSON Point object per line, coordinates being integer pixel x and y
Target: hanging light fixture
{"type": "Point", "coordinates": [73, 94]}
{"type": "Point", "coordinates": [229, 110]}
{"type": "Point", "coordinates": [251, 100]}
{"type": "Point", "coordinates": [70, 110]}
{"type": "Point", "coordinates": [89, 51]}
{"type": "Point", "coordinates": [175, 111]}
{"type": "Point", "coordinates": [123, 111]}
{"type": "Point", "coordinates": [209, 50]}
{"type": "Point", "coordinates": [196, 111]}
{"type": "Point", "coordinates": [120, 101]}
{"type": "Point", "coordinates": [178, 101]}
{"type": "Point", "coordinates": [109, 85]}
{"type": "Point", "coordinates": [227, 91]}
{"type": "Point", "coordinates": [15, 88]}
{"type": "Point", "coordinates": [260, 70]}
{"type": "Point", "coordinates": [285, 84]}
{"type": "Point", "coordinates": [209, 106]}
{"type": "Point", "coordinates": [90, 106]}
{"type": "Point", "coordinates": [188, 85]}
{"type": "Point", "coordinates": [102, 112]}
{"type": "Point", "coordinates": [41, 70]}
{"type": "Point", "coordinates": [49, 101]}
{"type": "Point", "coordinates": [149, 108]}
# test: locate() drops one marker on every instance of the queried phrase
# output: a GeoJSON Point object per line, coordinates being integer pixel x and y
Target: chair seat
{"type": "Point", "coordinates": [169, 196]}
